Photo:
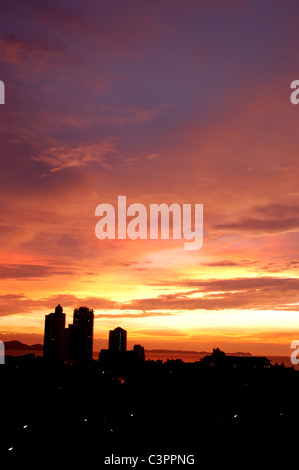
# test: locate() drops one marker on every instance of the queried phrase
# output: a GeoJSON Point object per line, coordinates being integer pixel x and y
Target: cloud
{"type": "Point", "coordinates": [143, 314]}
{"type": "Point", "coordinates": [129, 115]}
{"type": "Point", "coordinates": [268, 219]}
{"type": "Point", "coordinates": [260, 293]}
{"type": "Point", "coordinates": [240, 283]}
{"type": "Point", "coordinates": [41, 14]}
{"type": "Point", "coordinates": [72, 301]}
{"type": "Point", "coordinates": [29, 51]}
{"type": "Point", "coordinates": [11, 304]}
{"type": "Point", "coordinates": [222, 264]}
{"type": "Point", "coordinates": [151, 156]}
{"type": "Point", "coordinates": [164, 332]}
{"type": "Point", "coordinates": [62, 157]}
{"type": "Point", "coordinates": [264, 220]}
{"type": "Point", "coordinates": [29, 271]}
{"type": "Point", "coordinates": [66, 30]}
{"type": "Point", "coordinates": [253, 225]}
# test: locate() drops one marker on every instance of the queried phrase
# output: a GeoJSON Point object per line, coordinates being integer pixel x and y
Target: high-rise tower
{"type": "Point", "coordinates": [118, 339]}
{"type": "Point", "coordinates": [82, 331]}
{"type": "Point", "coordinates": [53, 335]}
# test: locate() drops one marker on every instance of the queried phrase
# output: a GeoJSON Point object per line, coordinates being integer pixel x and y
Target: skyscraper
{"type": "Point", "coordinates": [118, 339]}
{"type": "Point", "coordinates": [82, 332]}
{"type": "Point", "coordinates": [72, 344]}
{"type": "Point", "coordinates": [53, 335]}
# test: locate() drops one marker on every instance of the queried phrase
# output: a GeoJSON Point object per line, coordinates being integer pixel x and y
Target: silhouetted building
{"type": "Point", "coordinates": [78, 337]}
{"type": "Point", "coordinates": [117, 359]}
{"type": "Point", "coordinates": [139, 352]}
{"type": "Point", "coordinates": [72, 344]}
{"type": "Point", "coordinates": [117, 340]}
{"type": "Point", "coordinates": [220, 360]}
{"type": "Point", "coordinates": [68, 350]}
{"type": "Point", "coordinates": [83, 332]}
{"type": "Point", "coordinates": [53, 335]}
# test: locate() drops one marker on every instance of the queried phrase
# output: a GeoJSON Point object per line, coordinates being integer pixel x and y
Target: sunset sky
{"type": "Point", "coordinates": [162, 101]}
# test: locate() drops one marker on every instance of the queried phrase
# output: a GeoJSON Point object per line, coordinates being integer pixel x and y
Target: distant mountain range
{"type": "Point", "coordinates": [18, 346]}
{"type": "Point", "coordinates": [179, 351]}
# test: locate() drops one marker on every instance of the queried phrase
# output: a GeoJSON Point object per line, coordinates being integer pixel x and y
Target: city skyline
{"type": "Point", "coordinates": [162, 102]}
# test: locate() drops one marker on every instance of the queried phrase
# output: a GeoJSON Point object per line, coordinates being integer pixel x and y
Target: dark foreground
{"type": "Point", "coordinates": [149, 410]}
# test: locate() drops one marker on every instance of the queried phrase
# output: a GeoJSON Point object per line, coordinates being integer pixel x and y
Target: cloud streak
{"type": "Point", "coordinates": [59, 158]}
{"type": "Point", "coordinates": [264, 293]}
{"type": "Point", "coordinates": [273, 218]}
{"type": "Point", "coordinates": [30, 271]}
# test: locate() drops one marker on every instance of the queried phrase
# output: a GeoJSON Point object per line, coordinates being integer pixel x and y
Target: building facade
{"type": "Point", "coordinates": [53, 335]}
{"type": "Point", "coordinates": [73, 344]}
{"type": "Point", "coordinates": [118, 339]}
{"type": "Point", "coordinates": [83, 332]}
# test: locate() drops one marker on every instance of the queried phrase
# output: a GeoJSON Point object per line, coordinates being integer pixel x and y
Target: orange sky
{"type": "Point", "coordinates": [174, 102]}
